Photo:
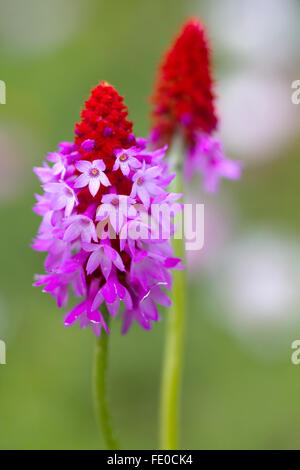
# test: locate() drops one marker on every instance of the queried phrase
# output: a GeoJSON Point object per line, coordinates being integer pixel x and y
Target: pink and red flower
{"type": "Point", "coordinates": [184, 103]}
{"type": "Point", "coordinates": [105, 179]}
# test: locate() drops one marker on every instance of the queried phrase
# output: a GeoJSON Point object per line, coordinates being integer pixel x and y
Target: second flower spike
{"type": "Point", "coordinates": [184, 106]}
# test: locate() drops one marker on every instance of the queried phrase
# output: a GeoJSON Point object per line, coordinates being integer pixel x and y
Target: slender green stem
{"type": "Point", "coordinates": [174, 345]}
{"type": "Point", "coordinates": [100, 389]}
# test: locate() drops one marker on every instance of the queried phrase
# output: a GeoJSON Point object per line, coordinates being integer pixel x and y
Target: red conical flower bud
{"type": "Point", "coordinates": [184, 105]}
{"type": "Point", "coordinates": [184, 91]}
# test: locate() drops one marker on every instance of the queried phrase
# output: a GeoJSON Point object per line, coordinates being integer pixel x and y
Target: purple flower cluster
{"type": "Point", "coordinates": [97, 192]}
{"type": "Point", "coordinates": [207, 157]}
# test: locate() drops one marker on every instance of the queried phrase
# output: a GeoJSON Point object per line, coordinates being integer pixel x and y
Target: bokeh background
{"type": "Point", "coordinates": [240, 388]}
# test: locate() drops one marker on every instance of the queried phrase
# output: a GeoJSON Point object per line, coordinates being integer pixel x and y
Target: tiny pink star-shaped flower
{"type": "Point", "coordinates": [213, 164]}
{"type": "Point", "coordinates": [125, 160]}
{"type": "Point", "coordinates": [145, 184]}
{"type": "Point", "coordinates": [104, 256]}
{"type": "Point", "coordinates": [80, 226]}
{"type": "Point", "coordinates": [63, 197]}
{"type": "Point", "coordinates": [92, 175]}
{"type": "Point", "coordinates": [117, 208]}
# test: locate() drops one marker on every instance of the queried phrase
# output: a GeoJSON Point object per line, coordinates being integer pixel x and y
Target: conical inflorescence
{"type": "Point", "coordinates": [184, 104]}
{"type": "Point", "coordinates": [105, 237]}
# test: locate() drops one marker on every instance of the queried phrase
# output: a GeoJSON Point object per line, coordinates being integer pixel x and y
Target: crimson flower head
{"type": "Point", "coordinates": [184, 103]}
{"type": "Point", "coordinates": [101, 192]}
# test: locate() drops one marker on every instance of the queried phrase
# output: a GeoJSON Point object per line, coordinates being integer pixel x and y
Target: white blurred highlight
{"type": "Point", "coordinates": [36, 26]}
{"type": "Point", "coordinates": [260, 32]}
{"type": "Point", "coordinates": [219, 222]}
{"type": "Point", "coordinates": [257, 115]}
{"type": "Point", "coordinates": [15, 163]}
{"type": "Point", "coordinates": [256, 286]}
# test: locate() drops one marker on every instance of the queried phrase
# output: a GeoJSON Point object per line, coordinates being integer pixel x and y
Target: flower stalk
{"type": "Point", "coordinates": [174, 343]}
{"type": "Point", "coordinates": [100, 389]}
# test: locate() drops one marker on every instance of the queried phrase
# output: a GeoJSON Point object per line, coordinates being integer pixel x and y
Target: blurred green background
{"type": "Point", "coordinates": [240, 388]}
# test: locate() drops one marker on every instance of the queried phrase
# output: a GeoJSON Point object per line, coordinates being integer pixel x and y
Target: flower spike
{"type": "Point", "coordinates": [184, 104]}
{"type": "Point", "coordinates": [97, 213]}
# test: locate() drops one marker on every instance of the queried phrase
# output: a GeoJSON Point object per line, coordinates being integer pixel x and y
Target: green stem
{"type": "Point", "coordinates": [174, 345]}
{"type": "Point", "coordinates": [100, 389]}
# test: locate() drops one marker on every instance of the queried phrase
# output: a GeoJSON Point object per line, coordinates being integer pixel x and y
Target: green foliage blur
{"type": "Point", "coordinates": [231, 398]}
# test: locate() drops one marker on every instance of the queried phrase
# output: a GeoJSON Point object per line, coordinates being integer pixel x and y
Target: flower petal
{"type": "Point", "coordinates": [116, 165]}
{"type": "Point", "coordinates": [113, 308]}
{"type": "Point", "coordinates": [135, 163]}
{"type": "Point", "coordinates": [83, 166]}
{"type": "Point", "coordinates": [99, 164]}
{"type": "Point", "coordinates": [72, 316]}
{"type": "Point", "coordinates": [94, 186]}
{"type": "Point", "coordinates": [104, 180]}
{"type": "Point", "coordinates": [109, 292]}
{"type": "Point", "coordinates": [115, 257]}
{"type": "Point", "coordinates": [94, 261]}
{"type": "Point", "coordinates": [143, 195]}
{"type": "Point", "coordinates": [125, 168]}
{"type": "Point", "coordinates": [105, 266]}
{"type": "Point", "coordinates": [97, 300]}
{"type": "Point", "coordinates": [81, 181]}
{"type": "Point", "coordinates": [72, 232]}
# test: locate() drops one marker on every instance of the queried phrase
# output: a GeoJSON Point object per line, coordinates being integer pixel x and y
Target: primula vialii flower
{"type": "Point", "coordinates": [184, 104]}
{"type": "Point", "coordinates": [99, 242]}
